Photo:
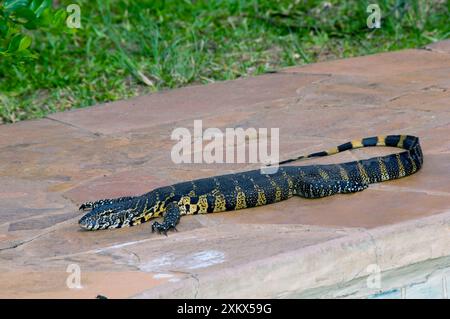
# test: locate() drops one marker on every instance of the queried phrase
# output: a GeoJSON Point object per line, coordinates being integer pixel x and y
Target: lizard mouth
{"type": "Point", "coordinates": [84, 223]}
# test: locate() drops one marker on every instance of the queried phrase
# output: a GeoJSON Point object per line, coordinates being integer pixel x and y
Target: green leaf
{"type": "Point", "coordinates": [19, 43]}
{"type": "Point", "coordinates": [3, 27]}
{"type": "Point", "coordinates": [25, 42]}
{"type": "Point", "coordinates": [32, 25]}
{"type": "Point", "coordinates": [13, 5]}
{"type": "Point", "coordinates": [59, 17]}
{"type": "Point", "coordinates": [38, 6]}
{"type": "Point", "coordinates": [14, 43]}
{"type": "Point", "coordinates": [46, 17]}
{"type": "Point", "coordinates": [24, 15]}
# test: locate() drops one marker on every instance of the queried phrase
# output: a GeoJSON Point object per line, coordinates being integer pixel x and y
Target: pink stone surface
{"type": "Point", "coordinates": [441, 46]}
{"type": "Point", "coordinates": [50, 166]}
{"type": "Point", "coordinates": [167, 108]}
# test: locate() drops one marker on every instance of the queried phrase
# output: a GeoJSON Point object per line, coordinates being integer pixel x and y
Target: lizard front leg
{"type": "Point", "coordinates": [170, 221]}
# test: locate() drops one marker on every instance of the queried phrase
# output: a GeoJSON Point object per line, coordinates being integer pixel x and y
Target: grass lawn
{"type": "Point", "coordinates": [127, 48]}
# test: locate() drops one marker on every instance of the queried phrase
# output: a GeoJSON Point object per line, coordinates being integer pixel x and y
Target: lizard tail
{"type": "Point", "coordinates": [406, 142]}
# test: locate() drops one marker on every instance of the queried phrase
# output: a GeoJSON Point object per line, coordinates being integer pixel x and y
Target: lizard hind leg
{"type": "Point", "coordinates": [171, 219]}
{"type": "Point", "coordinates": [321, 188]}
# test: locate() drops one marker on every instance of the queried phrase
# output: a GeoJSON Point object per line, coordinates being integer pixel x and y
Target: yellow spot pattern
{"type": "Point", "coordinates": [185, 200]}
{"type": "Point", "coordinates": [261, 195]}
{"type": "Point", "coordinates": [343, 173]}
{"type": "Point", "coordinates": [219, 203]}
{"type": "Point", "coordinates": [381, 141]}
{"type": "Point", "coordinates": [323, 174]}
{"type": "Point", "coordinates": [363, 173]}
{"type": "Point", "coordinates": [383, 171]}
{"type": "Point", "coordinates": [240, 199]}
{"type": "Point", "coordinates": [183, 210]}
{"type": "Point", "coordinates": [202, 204]}
{"type": "Point", "coordinates": [159, 208]}
{"type": "Point", "coordinates": [357, 144]}
{"type": "Point", "coordinates": [333, 151]}
{"type": "Point", "coordinates": [277, 190]}
{"type": "Point", "coordinates": [401, 141]}
{"type": "Point", "coordinates": [148, 214]}
{"type": "Point", "coordinates": [261, 198]}
{"type": "Point", "coordinates": [401, 168]}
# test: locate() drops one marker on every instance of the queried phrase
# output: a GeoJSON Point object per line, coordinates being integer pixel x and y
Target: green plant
{"type": "Point", "coordinates": [18, 16]}
{"type": "Point", "coordinates": [126, 48]}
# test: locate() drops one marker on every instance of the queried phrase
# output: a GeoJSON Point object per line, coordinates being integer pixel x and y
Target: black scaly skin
{"type": "Point", "coordinates": [254, 188]}
{"type": "Point", "coordinates": [92, 205]}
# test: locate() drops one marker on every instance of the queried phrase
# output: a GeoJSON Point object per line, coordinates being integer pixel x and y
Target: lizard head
{"type": "Point", "coordinates": [116, 215]}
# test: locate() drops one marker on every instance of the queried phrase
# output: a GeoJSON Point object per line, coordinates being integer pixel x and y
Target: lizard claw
{"type": "Point", "coordinates": [86, 206]}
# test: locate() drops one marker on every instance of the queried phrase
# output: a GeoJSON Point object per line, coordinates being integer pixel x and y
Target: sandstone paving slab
{"type": "Point", "coordinates": [48, 167]}
{"type": "Point", "coordinates": [333, 106]}
{"type": "Point", "coordinates": [297, 120]}
{"type": "Point", "coordinates": [352, 90]}
{"type": "Point", "coordinates": [207, 248]}
{"type": "Point", "coordinates": [71, 155]}
{"type": "Point", "coordinates": [347, 124]}
{"type": "Point", "coordinates": [440, 47]}
{"type": "Point", "coordinates": [336, 261]}
{"type": "Point", "coordinates": [52, 284]}
{"type": "Point", "coordinates": [422, 90]}
{"type": "Point", "coordinates": [424, 81]}
{"type": "Point", "coordinates": [429, 99]}
{"type": "Point", "coordinates": [28, 210]}
{"type": "Point", "coordinates": [183, 256]}
{"type": "Point", "coordinates": [24, 134]}
{"type": "Point", "coordinates": [379, 65]}
{"type": "Point", "coordinates": [192, 102]}
{"type": "Point", "coordinates": [434, 139]}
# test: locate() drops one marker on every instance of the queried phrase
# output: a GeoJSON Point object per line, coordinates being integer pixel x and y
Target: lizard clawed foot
{"type": "Point", "coordinates": [163, 228]}
{"type": "Point", "coordinates": [171, 219]}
